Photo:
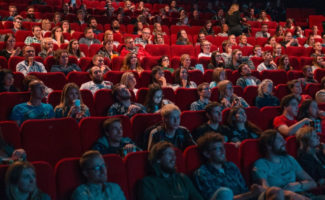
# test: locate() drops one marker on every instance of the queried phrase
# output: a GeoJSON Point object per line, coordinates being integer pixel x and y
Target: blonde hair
{"type": "Point", "coordinates": [167, 109]}
{"type": "Point", "coordinates": [303, 136]}
{"type": "Point", "coordinates": [262, 85]}
{"type": "Point", "coordinates": [127, 63]}
{"type": "Point", "coordinates": [45, 40]}
{"type": "Point", "coordinates": [125, 78]}
{"type": "Point", "coordinates": [222, 88]}
{"type": "Point", "coordinates": [233, 8]}
{"type": "Point", "coordinates": [216, 74]}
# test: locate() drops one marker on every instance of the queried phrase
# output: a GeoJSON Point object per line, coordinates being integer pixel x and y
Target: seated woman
{"type": "Point", "coordinates": [182, 38]}
{"type": "Point", "coordinates": [112, 140]}
{"type": "Point", "coordinates": [7, 152]}
{"type": "Point", "coordinates": [310, 41]}
{"type": "Point", "coordinates": [185, 61]}
{"type": "Point", "coordinates": [74, 49]}
{"type": "Point", "coordinates": [277, 50]}
{"type": "Point", "coordinates": [309, 109]}
{"type": "Point", "coordinates": [218, 74]}
{"type": "Point", "coordinates": [57, 36]}
{"type": "Point", "coordinates": [131, 63]}
{"type": "Point", "coordinates": [182, 79]}
{"type": "Point", "coordinates": [158, 77]}
{"type": "Point", "coordinates": [71, 104]}
{"type": "Point", "coordinates": [128, 79]}
{"type": "Point", "coordinates": [315, 32]}
{"type": "Point", "coordinates": [159, 39]}
{"type": "Point", "coordinates": [265, 96]}
{"type": "Point", "coordinates": [208, 28]}
{"type": "Point", "coordinates": [46, 26]}
{"type": "Point", "coordinates": [21, 182]}
{"type": "Point", "coordinates": [137, 29]}
{"type": "Point", "coordinates": [311, 154]}
{"type": "Point", "coordinates": [263, 17]}
{"type": "Point", "coordinates": [154, 100]}
{"type": "Point", "coordinates": [284, 63]}
{"type": "Point", "coordinates": [240, 127]}
{"type": "Point", "coordinates": [226, 51]}
{"type": "Point", "coordinates": [165, 63]}
{"type": "Point", "coordinates": [296, 89]}
{"type": "Point", "coordinates": [318, 50]}
{"type": "Point", "coordinates": [289, 24]}
{"type": "Point", "coordinates": [205, 49]}
{"type": "Point", "coordinates": [93, 169]}
{"type": "Point", "coordinates": [271, 42]}
{"type": "Point", "coordinates": [183, 19]}
{"type": "Point", "coordinates": [62, 63]}
{"type": "Point", "coordinates": [224, 30]}
{"type": "Point", "coordinates": [279, 32]}
{"type": "Point", "coordinates": [216, 61]}
{"type": "Point", "coordinates": [7, 81]}
{"type": "Point", "coordinates": [227, 97]}
{"type": "Point", "coordinates": [157, 29]}
{"type": "Point", "coordinates": [108, 50]}
{"type": "Point", "coordinates": [298, 33]}
{"type": "Point", "coordinates": [318, 63]}
{"type": "Point", "coordinates": [10, 50]}
{"type": "Point", "coordinates": [66, 27]}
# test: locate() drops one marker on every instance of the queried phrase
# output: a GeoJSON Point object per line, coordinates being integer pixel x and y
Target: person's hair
{"type": "Point", "coordinates": [202, 43]}
{"type": "Point", "coordinates": [265, 53]}
{"type": "Point", "coordinates": [216, 74]}
{"type": "Point", "coordinates": [127, 63]}
{"type": "Point", "coordinates": [70, 51]}
{"type": "Point", "coordinates": [24, 48]}
{"type": "Point", "coordinates": [7, 37]}
{"type": "Point", "coordinates": [183, 57]}
{"type": "Point", "coordinates": [154, 71]}
{"type": "Point", "coordinates": [288, 21]}
{"type": "Point", "coordinates": [314, 62]}
{"type": "Point", "coordinates": [285, 101]}
{"type": "Point", "coordinates": [261, 86]}
{"type": "Point", "coordinates": [177, 78]}
{"type": "Point", "coordinates": [180, 37]}
{"type": "Point", "coordinates": [281, 62]}
{"type": "Point", "coordinates": [277, 31]}
{"type": "Point", "coordinates": [53, 33]}
{"type": "Point", "coordinates": [201, 86]}
{"type": "Point", "coordinates": [234, 52]}
{"type": "Point", "coordinates": [33, 84]}
{"type": "Point", "coordinates": [87, 29]}
{"type": "Point", "coordinates": [266, 139]}
{"type": "Point", "coordinates": [304, 109]}
{"type": "Point", "coordinates": [167, 109]}
{"type": "Point", "coordinates": [222, 88]}
{"type": "Point", "coordinates": [305, 68]}
{"type": "Point", "coordinates": [208, 108]}
{"type": "Point", "coordinates": [58, 53]}
{"type": "Point", "coordinates": [43, 23]}
{"type": "Point", "coordinates": [205, 141]}
{"type": "Point", "coordinates": [87, 157]}
{"type": "Point", "coordinates": [64, 102]}
{"type": "Point", "coordinates": [125, 78]}
{"type": "Point", "coordinates": [44, 41]}
{"type": "Point", "coordinates": [105, 42]}
{"type": "Point", "coordinates": [231, 121]}
{"type": "Point", "coordinates": [17, 17]}
{"type": "Point", "coordinates": [55, 14]}
{"type": "Point", "coordinates": [115, 91]}
{"type": "Point", "coordinates": [95, 57]}
{"type": "Point", "coordinates": [240, 67]}
{"type": "Point", "coordinates": [269, 39]}
{"type": "Point", "coordinates": [12, 177]}
{"type": "Point", "coordinates": [106, 34]}
{"type": "Point", "coordinates": [213, 58]}
{"type": "Point", "coordinates": [161, 60]}
{"type": "Point", "coordinates": [28, 78]}
{"type": "Point", "coordinates": [308, 40]}
{"type": "Point", "coordinates": [157, 151]}
{"type": "Point", "coordinates": [149, 102]}
{"type": "Point", "coordinates": [224, 45]}
{"type": "Point", "coordinates": [67, 21]}
{"type": "Point", "coordinates": [233, 8]}
{"type": "Point", "coordinates": [3, 74]}
{"type": "Point", "coordinates": [35, 26]}
{"type": "Point", "coordinates": [291, 84]}
{"type": "Point", "coordinates": [303, 136]}
{"type": "Point", "coordinates": [322, 83]}
{"type": "Point", "coordinates": [108, 122]}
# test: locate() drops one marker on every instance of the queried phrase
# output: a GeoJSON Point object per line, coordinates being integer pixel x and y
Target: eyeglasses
{"type": "Point", "coordinates": [146, 32]}
{"type": "Point", "coordinates": [100, 60]}
{"type": "Point", "coordinates": [98, 167]}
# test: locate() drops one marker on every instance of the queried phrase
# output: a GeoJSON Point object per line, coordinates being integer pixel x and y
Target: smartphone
{"type": "Point", "coordinates": [77, 102]}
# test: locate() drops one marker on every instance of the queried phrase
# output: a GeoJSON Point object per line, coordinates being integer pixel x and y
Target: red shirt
{"type": "Point", "coordinates": [283, 120]}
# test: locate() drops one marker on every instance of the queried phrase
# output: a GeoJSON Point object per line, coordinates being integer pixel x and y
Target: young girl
{"type": "Point", "coordinates": [154, 99]}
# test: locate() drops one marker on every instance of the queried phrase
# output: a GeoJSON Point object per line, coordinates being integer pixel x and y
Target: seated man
{"type": "Point", "coordinates": [112, 140]}
{"type": "Point", "coordinates": [94, 170]}
{"type": "Point", "coordinates": [213, 113]}
{"type": "Point", "coordinates": [286, 123]}
{"type": "Point", "coordinates": [170, 130]}
{"type": "Point", "coordinates": [243, 41]}
{"type": "Point", "coordinates": [34, 108]}
{"type": "Point", "coordinates": [246, 78]}
{"type": "Point", "coordinates": [264, 32]}
{"type": "Point", "coordinates": [36, 38]}
{"type": "Point", "coordinates": [279, 169]}
{"type": "Point", "coordinates": [308, 75]}
{"type": "Point", "coordinates": [145, 38]}
{"type": "Point", "coordinates": [165, 183]}
{"type": "Point", "coordinates": [29, 64]}
{"type": "Point", "coordinates": [12, 10]}
{"type": "Point", "coordinates": [63, 65]}
{"type": "Point", "coordinates": [47, 48]}
{"type": "Point", "coordinates": [123, 104]}
{"type": "Point", "coordinates": [93, 24]}
{"type": "Point", "coordinates": [268, 63]}
{"type": "Point", "coordinates": [204, 93]}
{"type": "Point", "coordinates": [237, 59]}
{"type": "Point", "coordinates": [89, 38]}
{"type": "Point", "coordinates": [97, 82]}
{"type": "Point", "coordinates": [17, 24]}
{"type": "Point", "coordinates": [216, 173]}
{"type": "Point", "coordinates": [131, 48]}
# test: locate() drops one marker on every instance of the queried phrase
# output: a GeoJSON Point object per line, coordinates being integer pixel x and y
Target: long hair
{"type": "Point", "coordinates": [177, 79]}
{"type": "Point", "coordinates": [53, 33]}
{"type": "Point", "coordinates": [3, 73]}
{"type": "Point", "coordinates": [303, 136]}
{"type": "Point", "coordinates": [125, 78]}
{"type": "Point", "coordinates": [281, 62]}
{"type": "Point", "coordinates": [261, 86]}
{"type": "Point", "coordinates": [154, 71]}
{"type": "Point", "coordinates": [7, 37]}
{"type": "Point", "coordinates": [216, 74]}
{"type": "Point", "coordinates": [78, 52]}
{"type": "Point", "coordinates": [127, 63]}
{"type": "Point", "coordinates": [181, 38]}
{"type": "Point", "coordinates": [149, 102]}
{"type": "Point", "coordinates": [222, 85]}
{"type": "Point", "coordinates": [304, 109]}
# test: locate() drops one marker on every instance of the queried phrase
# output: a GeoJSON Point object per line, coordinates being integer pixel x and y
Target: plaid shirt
{"type": "Point", "coordinates": [29, 40]}
{"type": "Point", "coordinates": [199, 105]}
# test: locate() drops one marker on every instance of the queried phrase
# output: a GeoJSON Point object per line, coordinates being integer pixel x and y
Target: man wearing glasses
{"type": "Point", "coordinates": [145, 38]}
{"type": "Point", "coordinates": [130, 47]}
{"type": "Point", "coordinates": [29, 64]}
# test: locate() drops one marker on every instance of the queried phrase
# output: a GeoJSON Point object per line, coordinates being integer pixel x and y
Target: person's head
{"type": "Point", "coordinates": [108, 45]}
{"type": "Point", "coordinates": [146, 33]}
{"type": "Point", "coordinates": [264, 28]}
{"type": "Point", "coordinates": [208, 24]}
{"type": "Point", "coordinates": [74, 46]}
{"type": "Point", "coordinates": [36, 30]}
{"type": "Point", "coordinates": [272, 142]}
{"type": "Point", "coordinates": [96, 74]}
{"type": "Point", "coordinates": [156, 74]}
{"type": "Point", "coordinates": [80, 14]}
{"type": "Point", "coordinates": [98, 60]}
{"type": "Point", "coordinates": [181, 74]}
{"type": "Point", "coordinates": [113, 129]}
{"type": "Point", "coordinates": [225, 89]}
{"type": "Point", "coordinates": [233, 8]}
{"type": "Point", "coordinates": [295, 86]}
{"type": "Point", "coordinates": [129, 43]}
{"type": "Point", "coordinates": [17, 22]}
{"type": "Point", "coordinates": [307, 138]}
{"type": "Point", "coordinates": [28, 52]}
{"type": "Point", "coordinates": [265, 87]}
{"type": "Point", "coordinates": [236, 115]}
{"type": "Point", "coordinates": [318, 61]}
{"type": "Point", "coordinates": [10, 41]}
{"type": "Point", "coordinates": [263, 14]}
{"type": "Point", "coordinates": [298, 31]}
{"type": "Point", "coordinates": [216, 58]}
{"type": "Point", "coordinates": [163, 155]}
{"type": "Point", "coordinates": [287, 36]}
{"type": "Point", "coordinates": [211, 147]}
{"type": "Point", "coordinates": [272, 41]}
{"type": "Point", "coordinates": [170, 115]}
{"type": "Point", "coordinates": [61, 56]}
{"type": "Point", "coordinates": [226, 46]}
{"type": "Point", "coordinates": [47, 43]}
{"type": "Point", "coordinates": [244, 70]}
{"type": "Point", "coordinates": [30, 10]}
{"type": "Point", "coordinates": [232, 39]}
{"type": "Point", "coordinates": [237, 55]}
{"type": "Point", "coordinates": [131, 61]}
{"type": "Point", "coordinates": [277, 49]}
{"type": "Point", "coordinates": [57, 17]}
{"type": "Point", "coordinates": [267, 56]}
{"type": "Point", "coordinates": [37, 89]}
{"type": "Point", "coordinates": [243, 39]}
{"type": "Point", "coordinates": [205, 46]}
{"type": "Point", "coordinates": [154, 96]}
{"type": "Point", "coordinates": [213, 112]}
{"type": "Point", "coordinates": [20, 178]}
{"type": "Point", "coordinates": [308, 71]}
{"type": "Point", "coordinates": [108, 35]}
{"type": "Point", "coordinates": [185, 60]}
{"type": "Point", "coordinates": [12, 10]}
{"type": "Point", "coordinates": [93, 167]}
{"type": "Point", "coordinates": [218, 74]}
{"type": "Point", "coordinates": [284, 62]}
{"type": "Point", "coordinates": [310, 40]}
{"type": "Point", "coordinates": [315, 30]}
{"type": "Point", "coordinates": [204, 90]}
{"type": "Point", "coordinates": [289, 104]}
{"type": "Point", "coordinates": [121, 93]}
{"type": "Point", "coordinates": [257, 50]}
{"type": "Point", "coordinates": [159, 39]}
{"type": "Point", "coordinates": [129, 80]}
{"type": "Point", "coordinates": [65, 26]}
{"type": "Point", "coordinates": [6, 78]}
{"type": "Point", "coordinates": [317, 47]}
{"type": "Point", "coordinates": [46, 25]}
{"type": "Point", "coordinates": [115, 25]}
{"type": "Point", "coordinates": [157, 27]}
{"type": "Point", "coordinates": [70, 93]}
{"type": "Point", "coordinates": [224, 28]}
{"type": "Point", "coordinates": [163, 61]}
{"type": "Point", "coordinates": [279, 31]}
{"type": "Point", "coordinates": [289, 23]}
{"type": "Point", "coordinates": [252, 12]}
{"type": "Point", "coordinates": [182, 34]}
{"type": "Point", "coordinates": [201, 37]}
{"type": "Point", "coordinates": [320, 96]}
{"type": "Point", "coordinates": [57, 33]}
{"type": "Point", "coordinates": [308, 109]}
{"type": "Point", "coordinates": [93, 22]}
{"type": "Point", "coordinates": [89, 33]}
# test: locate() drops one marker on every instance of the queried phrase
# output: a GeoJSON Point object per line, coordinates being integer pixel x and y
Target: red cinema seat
{"type": "Point", "coordinates": [94, 48]}
{"type": "Point", "coordinates": [250, 93]}
{"type": "Point", "coordinates": [103, 99]}
{"type": "Point", "coordinates": [54, 98]}
{"type": "Point", "coordinates": [185, 97]}
{"type": "Point", "coordinates": [50, 61]}
{"type": "Point", "coordinates": [277, 76]}
{"type": "Point", "coordinates": [10, 133]}
{"type": "Point", "coordinates": [269, 113]}
{"type": "Point", "coordinates": [249, 153]}
{"type": "Point", "coordinates": [19, 77]}
{"type": "Point", "coordinates": [238, 90]}
{"type": "Point", "coordinates": [204, 61]}
{"type": "Point", "coordinates": [84, 48]}
{"type": "Point", "coordinates": [3, 62]}
{"type": "Point", "coordinates": [305, 61]}
{"type": "Point", "coordinates": [294, 74]}
{"type": "Point", "coordinates": [144, 79]}
{"type": "Point", "coordinates": [70, 167]}
{"type": "Point", "coordinates": [319, 74]}
{"type": "Point", "coordinates": [256, 61]}
{"type": "Point", "coordinates": [8, 100]}
{"type": "Point", "coordinates": [53, 139]}
{"type": "Point", "coordinates": [88, 99]}
{"type": "Point", "coordinates": [281, 90]}
{"type": "Point", "coordinates": [214, 94]}
{"type": "Point", "coordinates": [308, 51]}
{"type": "Point", "coordinates": [158, 50]}
{"type": "Point", "coordinates": [149, 62]}
{"type": "Point", "coordinates": [113, 76]}
{"type": "Point", "coordinates": [13, 61]}
{"type": "Point", "coordinates": [253, 115]}
{"type": "Point", "coordinates": [22, 35]}
{"type": "Point", "coordinates": [178, 50]}
{"type": "Point", "coordinates": [291, 146]}
{"type": "Point", "coordinates": [207, 76]}
{"type": "Point", "coordinates": [117, 63]}
{"type": "Point", "coordinates": [85, 63]}
{"type": "Point", "coordinates": [193, 119]}
{"type": "Point", "coordinates": [295, 62]}
{"type": "Point", "coordinates": [196, 76]}
{"type": "Point", "coordinates": [261, 41]}
{"type": "Point", "coordinates": [312, 88]}
{"type": "Point", "coordinates": [54, 80]}
{"type": "Point", "coordinates": [294, 51]}
{"type": "Point", "coordinates": [141, 95]}
{"type": "Point", "coordinates": [248, 51]}
{"type": "Point", "coordinates": [175, 62]}
{"type": "Point", "coordinates": [78, 77]}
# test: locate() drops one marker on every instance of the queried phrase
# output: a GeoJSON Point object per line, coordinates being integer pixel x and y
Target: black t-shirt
{"type": "Point", "coordinates": [201, 130]}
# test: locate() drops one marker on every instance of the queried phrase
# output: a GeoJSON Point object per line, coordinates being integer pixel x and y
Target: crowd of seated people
{"type": "Point", "coordinates": [225, 44]}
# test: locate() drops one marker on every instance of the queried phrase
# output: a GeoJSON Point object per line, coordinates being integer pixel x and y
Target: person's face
{"type": "Point", "coordinates": [278, 146]}
{"type": "Point", "coordinates": [209, 25]}
{"type": "Point", "coordinates": [46, 25]}
{"type": "Point", "coordinates": [183, 74]}
{"type": "Point", "coordinates": [133, 60]}
{"type": "Point", "coordinates": [264, 28]}
{"type": "Point", "coordinates": [229, 90]}
{"type": "Point", "coordinates": [240, 116]}
{"type": "Point", "coordinates": [278, 49]}
{"type": "Point", "coordinates": [273, 41]}
{"type": "Point", "coordinates": [309, 72]}
{"type": "Point", "coordinates": [65, 25]}
{"type": "Point", "coordinates": [58, 32]}
{"type": "Point", "coordinates": [90, 34]}
{"type": "Point", "coordinates": [251, 12]}
{"type": "Point", "coordinates": [96, 74]}
{"type": "Point", "coordinates": [157, 97]}
{"type": "Point", "coordinates": [315, 30]}
{"type": "Point", "coordinates": [216, 115]}
{"type": "Point", "coordinates": [130, 44]}
{"type": "Point", "coordinates": [93, 23]}
{"type": "Point", "coordinates": [292, 108]}
{"type": "Point", "coordinates": [11, 42]}
{"type": "Point", "coordinates": [99, 61]}
{"type": "Point", "coordinates": [160, 39]}
{"type": "Point", "coordinates": [225, 28]}
{"type": "Point", "coordinates": [131, 81]}
{"type": "Point", "coordinates": [220, 12]}
{"type": "Point", "coordinates": [96, 171]}
{"type": "Point", "coordinates": [238, 55]}
{"type": "Point", "coordinates": [195, 13]}
{"type": "Point", "coordinates": [159, 74]}
{"type": "Point", "coordinates": [313, 109]}
{"type": "Point", "coordinates": [258, 51]}
{"type": "Point", "coordinates": [320, 60]}
{"type": "Point", "coordinates": [73, 94]}
{"type": "Point", "coordinates": [173, 4]}
{"type": "Point", "coordinates": [206, 47]}
{"type": "Point", "coordinates": [140, 25]}
{"type": "Point", "coordinates": [114, 132]}
{"type": "Point", "coordinates": [318, 46]}
{"type": "Point", "coordinates": [38, 91]}
{"type": "Point", "coordinates": [246, 71]}
{"type": "Point", "coordinates": [124, 93]}
{"type": "Point", "coordinates": [75, 45]}
{"type": "Point", "coordinates": [187, 62]}
{"type": "Point", "coordinates": [37, 32]}
{"type": "Point", "coordinates": [27, 181]}
{"type": "Point", "coordinates": [314, 140]}
{"type": "Point", "coordinates": [205, 92]}
{"type": "Point", "coordinates": [109, 46]}
{"type": "Point", "coordinates": [243, 39]}
{"type": "Point", "coordinates": [286, 61]}
{"type": "Point", "coordinates": [17, 24]}
{"type": "Point", "coordinates": [201, 36]}
{"type": "Point", "coordinates": [173, 120]}
{"type": "Point", "coordinates": [146, 34]}
{"type": "Point", "coordinates": [127, 4]}
{"type": "Point", "coordinates": [263, 14]}
{"type": "Point", "coordinates": [168, 160]}
{"type": "Point", "coordinates": [311, 40]}
{"type": "Point", "coordinates": [109, 35]}
{"type": "Point", "coordinates": [57, 18]}
{"type": "Point", "coordinates": [116, 24]}
{"type": "Point", "coordinates": [8, 80]}
{"type": "Point", "coordinates": [218, 57]}
{"type": "Point", "coordinates": [29, 52]}
{"type": "Point", "coordinates": [288, 36]}
{"type": "Point", "coordinates": [268, 88]}
{"type": "Point", "coordinates": [268, 57]}
{"type": "Point", "coordinates": [64, 59]}
{"type": "Point", "coordinates": [80, 15]}
{"type": "Point", "coordinates": [216, 153]}
{"type": "Point", "coordinates": [232, 39]}
{"type": "Point", "coordinates": [30, 11]}
{"type": "Point", "coordinates": [12, 11]}
{"type": "Point", "coordinates": [184, 34]}
{"type": "Point", "coordinates": [165, 62]}
{"type": "Point", "coordinates": [158, 27]}
{"type": "Point", "coordinates": [297, 88]}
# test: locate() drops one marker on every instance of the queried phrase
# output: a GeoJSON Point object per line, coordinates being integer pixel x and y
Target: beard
{"type": "Point", "coordinates": [280, 151]}
{"type": "Point", "coordinates": [116, 27]}
{"type": "Point", "coordinates": [98, 81]}
{"type": "Point", "coordinates": [167, 169]}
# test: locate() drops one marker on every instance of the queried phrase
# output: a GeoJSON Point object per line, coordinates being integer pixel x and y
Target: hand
{"type": "Point", "coordinates": [294, 186]}
{"type": "Point", "coordinates": [294, 196]}
{"type": "Point", "coordinates": [74, 110]}
{"type": "Point", "coordinates": [306, 121]}
{"type": "Point", "coordinates": [129, 148]}
{"type": "Point", "coordinates": [19, 154]}
{"type": "Point", "coordinates": [133, 109]}
{"type": "Point", "coordinates": [49, 51]}
{"type": "Point", "coordinates": [30, 61]}
{"type": "Point", "coordinates": [163, 81]}
{"type": "Point", "coordinates": [257, 189]}
{"type": "Point", "coordinates": [16, 52]}
{"type": "Point", "coordinates": [225, 102]}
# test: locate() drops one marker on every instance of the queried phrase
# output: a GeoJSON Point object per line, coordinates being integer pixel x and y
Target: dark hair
{"type": "Point", "coordinates": [108, 122]}
{"type": "Point", "coordinates": [204, 142]}
{"type": "Point", "coordinates": [304, 109]}
{"type": "Point", "coordinates": [157, 151]}
{"type": "Point", "coordinates": [86, 30]}
{"type": "Point", "coordinates": [78, 53]}
{"type": "Point", "coordinates": [154, 71]}
{"type": "Point", "coordinates": [177, 78]}
{"type": "Point", "coordinates": [267, 138]}
{"type": "Point", "coordinates": [180, 37]}
{"type": "Point", "coordinates": [149, 103]}
{"type": "Point", "coordinates": [58, 53]}
{"type": "Point", "coordinates": [53, 33]}
{"type": "Point", "coordinates": [86, 157]}
{"type": "Point", "coordinates": [213, 58]}
{"type": "Point", "coordinates": [285, 101]}
{"type": "Point", "coordinates": [115, 91]}
{"type": "Point", "coordinates": [7, 36]}
{"type": "Point", "coordinates": [292, 83]}
{"type": "Point", "coordinates": [3, 73]}
{"type": "Point", "coordinates": [240, 67]}
{"type": "Point", "coordinates": [201, 85]}
{"type": "Point", "coordinates": [161, 60]}
{"type": "Point", "coordinates": [208, 108]}
{"type": "Point", "coordinates": [322, 83]}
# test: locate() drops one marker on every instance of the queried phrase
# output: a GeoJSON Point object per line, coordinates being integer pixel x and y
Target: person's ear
{"type": "Point", "coordinates": [206, 154]}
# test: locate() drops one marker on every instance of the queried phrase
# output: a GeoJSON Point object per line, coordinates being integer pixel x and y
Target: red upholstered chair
{"type": "Point", "coordinates": [305, 61]}
{"type": "Point", "coordinates": [207, 76]}
{"type": "Point", "coordinates": [54, 98]}
{"type": "Point", "coordinates": [248, 51]}
{"type": "Point", "coordinates": [94, 48]}
{"type": "Point", "coordinates": [269, 113]}
{"type": "Point", "coordinates": [250, 93]}
{"type": "Point", "coordinates": [238, 90]}
{"type": "Point", "coordinates": [196, 76]}
{"type": "Point", "coordinates": [277, 76]}
{"type": "Point", "coordinates": [149, 62]}
{"type": "Point", "coordinates": [53, 139]}
{"type": "Point", "coordinates": [3, 62]}
{"type": "Point", "coordinates": [294, 74]}
{"type": "Point", "coordinates": [185, 97]}
{"type": "Point", "coordinates": [294, 51]}
{"type": "Point", "coordinates": [291, 145]}
{"type": "Point", "coordinates": [54, 80]}
{"type": "Point", "coordinates": [193, 119]}
{"type": "Point", "coordinates": [257, 61]}
{"type": "Point", "coordinates": [13, 61]}
{"type": "Point", "coordinates": [19, 77]}
{"type": "Point", "coordinates": [178, 50]}
{"type": "Point", "coordinates": [169, 94]}
{"type": "Point", "coordinates": [141, 95]}
{"type": "Point", "coordinates": [204, 61]}
{"type": "Point", "coordinates": [21, 35]}
{"type": "Point", "coordinates": [78, 77]}
{"type": "Point", "coordinates": [312, 88]}
{"type": "Point", "coordinates": [281, 90]}
{"type": "Point", "coordinates": [85, 63]}
{"type": "Point", "coordinates": [319, 74]}
{"type": "Point", "coordinates": [158, 50]}
{"type": "Point", "coordinates": [144, 79]}
{"type": "Point", "coordinates": [117, 63]}
{"type": "Point", "coordinates": [8, 100]}
{"type": "Point", "coordinates": [10, 133]}
{"type": "Point", "coordinates": [103, 99]}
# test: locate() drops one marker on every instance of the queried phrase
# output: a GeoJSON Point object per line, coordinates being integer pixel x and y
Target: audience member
{"type": "Point", "coordinates": [296, 89]}
{"type": "Point", "coordinates": [36, 38]}
{"type": "Point", "coordinates": [47, 48]}
{"type": "Point", "coordinates": [233, 20]}
{"type": "Point", "coordinates": [226, 51]}
{"type": "Point", "coordinates": [108, 50]}
{"type": "Point", "coordinates": [97, 82]}
{"type": "Point", "coordinates": [308, 73]}
{"type": "Point", "coordinates": [227, 97]}
{"type": "Point", "coordinates": [182, 38]}
{"type": "Point", "coordinates": [183, 19]}
{"type": "Point", "coordinates": [108, 36]}
{"type": "Point", "coordinates": [271, 42]}
{"type": "Point", "coordinates": [94, 25]}
{"type": "Point", "coordinates": [154, 99]}
{"type": "Point", "coordinates": [310, 41]}
{"type": "Point", "coordinates": [200, 38]}
{"type": "Point", "coordinates": [289, 24]}
{"type": "Point", "coordinates": [157, 29]}
{"type": "Point", "coordinates": [218, 74]}
{"type": "Point", "coordinates": [29, 64]}
{"type": "Point", "coordinates": [81, 17]}
{"type": "Point", "coordinates": [298, 33]}
{"type": "Point", "coordinates": [205, 49]}
{"type": "Point", "coordinates": [57, 18]}
{"type": "Point", "coordinates": [74, 49]}
{"type": "Point", "coordinates": [99, 61]}
{"type": "Point", "coordinates": [182, 79]}
{"type": "Point", "coordinates": [204, 93]}
{"type": "Point", "coordinates": [284, 63]}
{"type": "Point", "coordinates": [279, 32]}
{"type": "Point", "coordinates": [145, 38]}
{"type": "Point", "coordinates": [268, 63]}
{"type": "Point", "coordinates": [128, 79]}
{"type": "Point", "coordinates": [57, 36]}
{"type": "Point", "coordinates": [318, 50]}
{"type": "Point", "coordinates": [257, 51]}
{"type": "Point", "coordinates": [131, 63]}
{"type": "Point", "coordinates": [237, 59]}
{"type": "Point", "coordinates": [12, 10]}
{"type": "Point", "coordinates": [159, 39]}
{"type": "Point", "coordinates": [315, 32]}
{"type": "Point", "coordinates": [185, 61]}
{"type": "Point", "coordinates": [232, 40]}
{"type": "Point", "coordinates": [158, 77]}
{"type": "Point", "coordinates": [62, 63]}
{"type": "Point", "coordinates": [208, 28]}
{"type": "Point", "coordinates": [318, 63]}
{"type": "Point", "coordinates": [263, 17]}
{"type": "Point", "coordinates": [224, 31]}
{"type": "Point", "coordinates": [216, 61]}
{"type": "Point", "coordinates": [66, 27]}
{"type": "Point", "coordinates": [265, 96]}
{"type": "Point", "coordinates": [7, 81]}
{"type": "Point", "coordinates": [9, 50]}
{"type": "Point", "coordinates": [17, 24]}
{"type": "Point", "coordinates": [288, 40]}
{"type": "Point", "coordinates": [246, 78]}
{"type": "Point", "coordinates": [164, 63]}
{"type": "Point", "coordinates": [131, 48]}
{"type": "Point", "coordinates": [89, 37]}
{"type": "Point", "coordinates": [277, 50]}
{"type": "Point", "coordinates": [46, 26]}
{"type": "Point", "coordinates": [263, 33]}
{"type": "Point", "coordinates": [243, 41]}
